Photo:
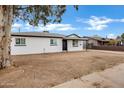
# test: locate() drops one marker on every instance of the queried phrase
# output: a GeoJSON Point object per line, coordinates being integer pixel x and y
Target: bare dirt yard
{"type": "Point", "coordinates": [48, 70]}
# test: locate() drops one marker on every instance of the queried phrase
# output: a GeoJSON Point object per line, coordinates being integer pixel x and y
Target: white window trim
{"type": "Point", "coordinates": [73, 43]}
{"type": "Point", "coordinates": [54, 44]}
{"type": "Point", "coordinates": [20, 42]}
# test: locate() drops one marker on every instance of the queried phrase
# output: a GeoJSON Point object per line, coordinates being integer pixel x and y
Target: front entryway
{"type": "Point", "coordinates": [64, 42]}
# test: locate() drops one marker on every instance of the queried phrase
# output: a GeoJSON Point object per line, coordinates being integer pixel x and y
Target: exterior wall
{"type": "Point", "coordinates": [84, 44]}
{"type": "Point", "coordinates": [71, 48]}
{"type": "Point", "coordinates": [35, 45]}
{"type": "Point", "coordinates": [93, 42]}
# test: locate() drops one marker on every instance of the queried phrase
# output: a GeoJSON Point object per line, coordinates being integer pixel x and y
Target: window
{"type": "Point", "coordinates": [20, 41]}
{"type": "Point", "coordinates": [75, 43]}
{"type": "Point", "coordinates": [53, 42]}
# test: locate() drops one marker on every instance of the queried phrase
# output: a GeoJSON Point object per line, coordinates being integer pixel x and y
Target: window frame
{"type": "Point", "coordinates": [75, 43]}
{"type": "Point", "coordinates": [54, 42]}
{"type": "Point", "coordinates": [21, 42]}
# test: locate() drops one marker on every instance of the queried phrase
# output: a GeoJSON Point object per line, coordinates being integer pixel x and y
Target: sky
{"type": "Point", "coordinates": [104, 21]}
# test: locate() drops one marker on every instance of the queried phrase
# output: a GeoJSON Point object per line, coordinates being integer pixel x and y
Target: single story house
{"type": "Point", "coordinates": [44, 42]}
{"type": "Point", "coordinates": [93, 41]}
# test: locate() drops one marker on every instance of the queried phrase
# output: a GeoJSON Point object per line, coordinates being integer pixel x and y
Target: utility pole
{"type": "Point", "coordinates": [19, 29]}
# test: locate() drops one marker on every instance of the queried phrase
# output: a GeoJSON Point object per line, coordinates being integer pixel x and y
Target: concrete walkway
{"type": "Point", "coordinates": [109, 78]}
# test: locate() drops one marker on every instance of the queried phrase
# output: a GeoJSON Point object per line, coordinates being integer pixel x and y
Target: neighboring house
{"type": "Point", "coordinates": [44, 42]}
{"type": "Point", "coordinates": [95, 41]}
{"type": "Point", "coordinates": [119, 41]}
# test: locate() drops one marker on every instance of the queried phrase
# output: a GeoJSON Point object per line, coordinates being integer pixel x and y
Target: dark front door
{"type": "Point", "coordinates": [64, 44]}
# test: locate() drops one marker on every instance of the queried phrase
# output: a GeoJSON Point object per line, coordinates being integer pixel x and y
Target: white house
{"type": "Point", "coordinates": [44, 42]}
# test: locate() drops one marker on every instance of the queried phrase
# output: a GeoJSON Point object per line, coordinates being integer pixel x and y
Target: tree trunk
{"type": "Point", "coordinates": [6, 15]}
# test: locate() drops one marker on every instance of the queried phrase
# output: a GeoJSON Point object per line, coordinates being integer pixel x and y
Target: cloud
{"type": "Point", "coordinates": [49, 27]}
{"type": "Point", "coordinates": [98, 23]}
{"type": "Point", "coordinates": [61, 27]}
{"type": "Point", "coordinates": [111, 36]}
{"type": "Point", "coordinates": [16, 25]}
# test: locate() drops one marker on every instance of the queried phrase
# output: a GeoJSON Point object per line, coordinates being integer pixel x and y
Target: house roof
{"type": "Point", "coordinates": [97, 38]}
{"type": "Point", "coordinates": [74, 37]}
{"type": "Point", "coordinates": [37, 34]}
{"type": "Point", "coordinates": [47, 34]}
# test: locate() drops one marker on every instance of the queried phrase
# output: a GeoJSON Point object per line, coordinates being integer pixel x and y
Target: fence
{"type": "Point", "coordinates": [112, 48]}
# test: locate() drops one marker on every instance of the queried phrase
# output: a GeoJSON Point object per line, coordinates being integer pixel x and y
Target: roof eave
{"type": "Point", "coordinates": [36, 36]}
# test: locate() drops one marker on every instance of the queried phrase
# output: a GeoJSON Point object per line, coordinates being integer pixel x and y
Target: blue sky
{"type": "Point", "coordinates": [87, 21]}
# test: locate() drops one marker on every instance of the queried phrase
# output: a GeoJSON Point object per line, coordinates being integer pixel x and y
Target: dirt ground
{"type": "Point", "coordinates": [48, 70]}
